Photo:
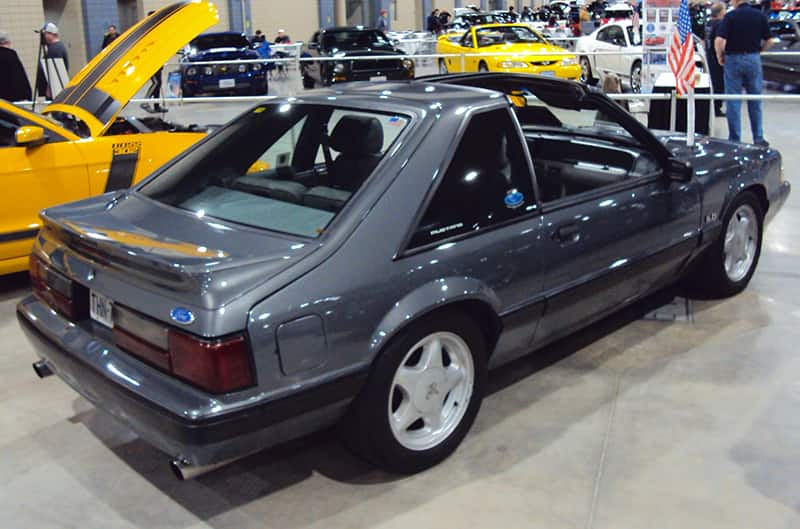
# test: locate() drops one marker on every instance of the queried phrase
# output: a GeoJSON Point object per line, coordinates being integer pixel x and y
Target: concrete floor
{"type": "Point", "coordinates": [633, 423]}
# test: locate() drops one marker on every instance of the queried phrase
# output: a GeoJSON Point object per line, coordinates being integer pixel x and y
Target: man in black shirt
{"type": "Point", "coordinates": [15, 86]}
{"type": "Point", "coordinates": [717, 81]}
{"type": "Point", "coordinates": [741, 37]}
{"type": "Point", "coordinates": [110, 36]}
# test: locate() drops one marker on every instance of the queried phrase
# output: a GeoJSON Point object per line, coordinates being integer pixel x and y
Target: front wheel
{"type": "Point", "coordinates": [422, 395]}
{"type": "Point", "coordinates": [443, 66]}
{"type": "Point", "coordinates": [636, 77]}
{"type": "Point", "coordinates": [586, 71]}
{"type": "Point", "coordinates": [732, 259]}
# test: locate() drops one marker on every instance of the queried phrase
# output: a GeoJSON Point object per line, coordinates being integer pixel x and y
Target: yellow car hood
{"type": "Point", "coordinates": [528, 49]}
{"type": "Point", "coordinates": [104, 86]}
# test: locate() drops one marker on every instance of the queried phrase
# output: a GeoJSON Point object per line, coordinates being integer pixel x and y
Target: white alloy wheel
{"type": "Point", "coordinates": [741, 243]}
{"type": "Point", "coordinates": [431, 391]}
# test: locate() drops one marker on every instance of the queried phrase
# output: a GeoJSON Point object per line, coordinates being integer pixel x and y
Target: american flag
{"type": "Point", "coordinates": [681, 51]}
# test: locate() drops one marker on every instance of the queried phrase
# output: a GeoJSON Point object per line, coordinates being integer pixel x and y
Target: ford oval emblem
{"type": "Point", "coordinates": [182, 315]}
{"type": "Point", "coordinates": [514, 199]}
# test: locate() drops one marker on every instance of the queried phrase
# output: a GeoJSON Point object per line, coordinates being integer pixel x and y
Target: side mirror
{"type": "Point", "coordinates": [679, 170]}
{"type": "Point", "coordinates": [30, 136]}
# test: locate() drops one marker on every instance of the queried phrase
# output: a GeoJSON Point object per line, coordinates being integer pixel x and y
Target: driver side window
{"type": "Point", "coordinates": [466, 40]}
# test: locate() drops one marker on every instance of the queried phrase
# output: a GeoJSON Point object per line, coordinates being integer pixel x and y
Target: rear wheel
{"type": "Point", "coordinates": [482, 67]}
{"type": "Point", "coordinates": [422, 395]}
{"type": "Point", "coordinates": [636, 77]}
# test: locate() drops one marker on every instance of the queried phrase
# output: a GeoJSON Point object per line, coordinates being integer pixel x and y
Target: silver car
{"type": "Point", "coordinates": [366, 254]}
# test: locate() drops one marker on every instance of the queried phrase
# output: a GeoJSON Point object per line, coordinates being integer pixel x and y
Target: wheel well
{"type": "Point", "coordinates": [484, 316]}
{"type": "Point", "coordinates": [759, 191]}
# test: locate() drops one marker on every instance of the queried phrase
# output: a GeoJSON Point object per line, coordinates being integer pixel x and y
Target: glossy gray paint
{"type": "Point", "coordinates": [357, 286]}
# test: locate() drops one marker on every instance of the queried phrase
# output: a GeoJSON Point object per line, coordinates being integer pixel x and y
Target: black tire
{"type": "Point", "coordinates": [636, 77]}
{"type": "Point", "coordinates": [443, 67]}
{"type": "Point", "coordinates": [366, 429]}
{"type": "Point", "coordinates": [308, 83]}
{"type": "Point", "coordinates": [482, 67]}
{"type": "Point", "coordinates": [586, 71]}
{"type": "Point", "coordinates": [260, 89]}
{"type": "Point", "coordinates": [186, 91]}
{"type": "Point", "coordinates": [711, 276]}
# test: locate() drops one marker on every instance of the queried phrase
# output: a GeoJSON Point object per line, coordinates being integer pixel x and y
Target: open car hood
{"type": "Point", "coordinates": [103, 87]}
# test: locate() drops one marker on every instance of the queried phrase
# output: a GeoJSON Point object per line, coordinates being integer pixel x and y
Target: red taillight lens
{"type": "Point", "coordinates": [218, 366]}
{"type": "Point", "coordinates": [56, 290]}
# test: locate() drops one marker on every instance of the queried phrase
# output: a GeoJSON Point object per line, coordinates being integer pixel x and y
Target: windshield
{"type": "Point", "coordinates": [506, 35]}
{"type": "Point", "coordinates": [355, 40]}
{"type": "Point", "coordinates": [207, 42]}
{"type": "Point", "coordinates": [283, 167]}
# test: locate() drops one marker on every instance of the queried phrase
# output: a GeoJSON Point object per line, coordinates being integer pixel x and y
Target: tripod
{"type": "Point", "coordinates": [39, 70]}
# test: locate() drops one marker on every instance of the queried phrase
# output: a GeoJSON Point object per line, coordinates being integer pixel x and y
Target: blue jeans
{"type": "Point", "coordinates": [743, 72]}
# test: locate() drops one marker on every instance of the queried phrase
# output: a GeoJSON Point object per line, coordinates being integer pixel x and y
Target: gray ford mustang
{"type": "Point", "coordinates": [366, 254]}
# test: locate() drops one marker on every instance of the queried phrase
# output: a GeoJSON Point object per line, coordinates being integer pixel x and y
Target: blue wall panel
{"type": "Point", "coordinates": [326, 13]}
{"type": "Point", "coordinates": [97, 16]}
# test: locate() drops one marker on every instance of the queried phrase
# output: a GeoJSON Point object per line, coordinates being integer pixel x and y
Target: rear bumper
{"type": "Point", "coordinates": [777, 199]}
{"type": "Point", "coordinates": [187, 427]}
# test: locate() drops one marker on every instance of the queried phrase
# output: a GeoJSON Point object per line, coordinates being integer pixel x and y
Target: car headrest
{"type": "Point", "coordinates": [359, 135]}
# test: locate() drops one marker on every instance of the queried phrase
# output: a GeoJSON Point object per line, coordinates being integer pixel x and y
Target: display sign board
{"type": "Point", "coordinates": [657, 25]}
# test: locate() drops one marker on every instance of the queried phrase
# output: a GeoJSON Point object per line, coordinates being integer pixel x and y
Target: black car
{"type": "Point", "coordinates": [199, 73]}
{"type": "Point", "coordinates": [783, 69]}
{"type": "Point", "coordinates": [390, 63]}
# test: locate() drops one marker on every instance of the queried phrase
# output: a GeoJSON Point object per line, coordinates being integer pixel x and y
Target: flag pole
{"type": "Point", "coordinates": [690, 116]}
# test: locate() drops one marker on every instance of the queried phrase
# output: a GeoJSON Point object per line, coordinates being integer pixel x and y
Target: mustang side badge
{"type": "Point", "coordinates": [514, 199]}
{"type": "Point", "coordinates": [181, 315]}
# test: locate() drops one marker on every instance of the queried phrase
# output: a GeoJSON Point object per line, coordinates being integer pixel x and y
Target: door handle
{"type": "Point", "coordinates": [568, 233]}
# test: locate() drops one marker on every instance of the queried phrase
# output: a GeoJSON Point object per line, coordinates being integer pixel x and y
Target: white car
{"type": "Point", "coordinates": [627, 62]}
{"type": "Point", "coordinates": [614, 37]}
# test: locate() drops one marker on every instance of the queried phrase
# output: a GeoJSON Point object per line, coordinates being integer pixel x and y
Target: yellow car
{"type": "Point", "coordinates": [78, 146]}
{"type": "Point", "coordinates": [506, 48]}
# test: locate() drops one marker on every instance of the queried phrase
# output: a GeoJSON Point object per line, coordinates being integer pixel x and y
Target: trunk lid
{"type": "Point", "coordinates": [103, 87]}
{"type": "Point", "coordinates": [205, 262]}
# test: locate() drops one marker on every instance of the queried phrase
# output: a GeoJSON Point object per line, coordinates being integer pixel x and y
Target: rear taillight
{"type": "Point", "coordinates": [217, 366]}
{"type": "Point", "coordinates": [57, 290]}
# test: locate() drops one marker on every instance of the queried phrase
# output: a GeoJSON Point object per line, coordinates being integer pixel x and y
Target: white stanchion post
{"type": "Point", "coordinates": [690, 117]}
{"type": "Point", "coordinates": [463, 63]}
{"type": "Point", "coordinates": [673, 110]}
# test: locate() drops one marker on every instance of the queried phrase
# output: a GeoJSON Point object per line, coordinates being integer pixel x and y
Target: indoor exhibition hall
{"type": "Point", "coordinates": [399, 263]}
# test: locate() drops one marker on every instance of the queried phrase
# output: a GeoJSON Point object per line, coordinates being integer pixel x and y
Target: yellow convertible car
{"type": "Point", "coordinates": [506, 48]}
{"type": "Point", "coordinates": [79, 146]}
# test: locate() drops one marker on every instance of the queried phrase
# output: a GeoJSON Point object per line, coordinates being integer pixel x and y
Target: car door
{"type": "Point", "coordinates": [33, 178]}
{"type": "Point", "coordinates": [610, 40]}
{"type": "Point", "coordinates": [480, 222]}
{"type": "Point", "coordinates": [465, 45]}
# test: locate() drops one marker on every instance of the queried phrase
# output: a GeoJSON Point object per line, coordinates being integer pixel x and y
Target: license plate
{"type": "Point", "coordinates": [101, 309]}
{"type": "Point", "coordinates": [378, 78]}
{"type": "Point", "coordinates": [548, 73]}
{"type": "Point", "coordinates": [227, 83]}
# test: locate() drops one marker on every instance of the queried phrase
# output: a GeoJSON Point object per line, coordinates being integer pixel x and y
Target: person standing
{"type": "Point", "coordinates": [717, 81]}
{"type": "Point", "coordinates": [741, 36]}
{"type": "Point", "coordinates": [382, 23]}
{"type": "Point", "coordinates": [53, 49]}
{"type": "Point", "coordinates": [110, 36]}
{"type": "Point", "coordinates": [15, 86]}
{"type": "Point", "coordinates": [434, 25]}
{"type": "Point", "coordinates": [258, 38]}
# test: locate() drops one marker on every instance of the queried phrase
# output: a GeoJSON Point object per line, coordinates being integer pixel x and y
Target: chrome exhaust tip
{"type": "Point", "coordinates": [184, 469]}
{"type": "Point", "coordinates": [41, 369]}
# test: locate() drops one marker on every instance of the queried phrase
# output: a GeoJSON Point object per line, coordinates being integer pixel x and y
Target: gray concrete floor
{"type": "Point", "coordinates": [633, 423]}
